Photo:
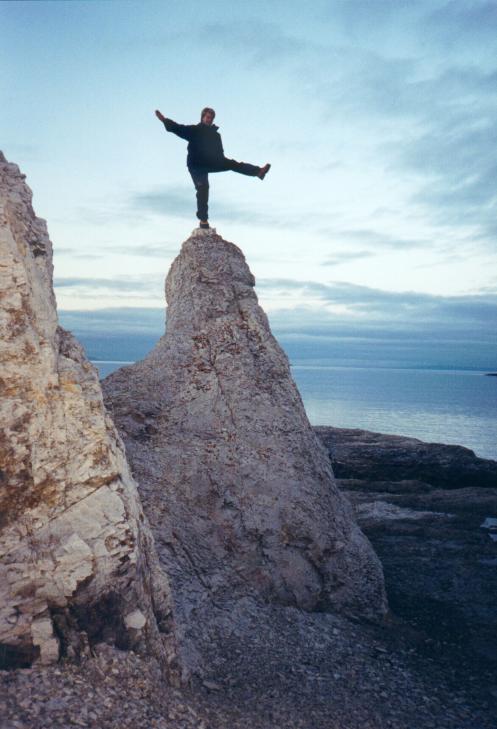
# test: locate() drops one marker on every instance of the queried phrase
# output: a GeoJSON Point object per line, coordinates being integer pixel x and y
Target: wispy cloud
{"type": "Point", "coordinates": [257, 41]}
{"type": "Point", "coordinates": [430, 117]}
{"type": "Point", "coordinates": [460, 187]}
{"type": "Point", "coordinates": [346, 257]}
{"type": "Point", "coordinates": [21, 151]}
{"type": "Point", "coordinates": [146, 250]}
{"type": "Point", "coordinates": [442, 26]}
{"type": "Point", "coordinates": [180, 202]}
{"type": "Point", "coordinates": [144, 286]}
{"type": "Point", "coordinates": [75, 253]}
{"type": "Point", "coordinates": [168, 200]}
{"type": "Point", "coordinates": [131, 320]}
{"type": "Point", "coordinates": [413, 308]}
{"type": "Point", "coordinates": [250, 42]}
{"type": "Point", "coordinates": [376, 240]}
{"type": "Point", "coordinates": [463, 25]}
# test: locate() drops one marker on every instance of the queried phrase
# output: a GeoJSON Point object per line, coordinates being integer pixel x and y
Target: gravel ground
{"type": "Point", "coordinates": [297, 671]}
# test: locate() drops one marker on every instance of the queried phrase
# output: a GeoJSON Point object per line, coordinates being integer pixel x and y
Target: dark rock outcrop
{"type": "Point", "coordinates": [430, 511]}
{"type": "Point", "coordinates": [361, 454]}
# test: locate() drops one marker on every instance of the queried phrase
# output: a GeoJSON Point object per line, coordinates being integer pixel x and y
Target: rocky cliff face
{"type": "Point", "coordinates": [77, 560]}
{"type": "Point", "coordinates": [239, 490]}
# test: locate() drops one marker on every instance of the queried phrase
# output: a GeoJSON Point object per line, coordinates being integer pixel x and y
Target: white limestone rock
{"type": "Point", "coordinates": [238, 488]}
{"type": "Point", "coordinates": [135, 620]}
{"type": "Point", "coordinates": [76, 553]}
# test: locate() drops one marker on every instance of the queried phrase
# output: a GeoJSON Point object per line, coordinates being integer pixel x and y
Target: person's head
{"type": "Point", "coordinates": [207, 116]}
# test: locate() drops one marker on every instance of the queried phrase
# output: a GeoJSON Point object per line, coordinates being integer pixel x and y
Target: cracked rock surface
{"type": "Point", "coordinates": [238, 488]}
{"type": "Point", "coordinates": [77, 560]}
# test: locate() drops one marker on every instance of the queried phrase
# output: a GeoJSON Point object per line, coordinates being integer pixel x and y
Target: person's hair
{"type": "Point", "coordinates": [206, 109]}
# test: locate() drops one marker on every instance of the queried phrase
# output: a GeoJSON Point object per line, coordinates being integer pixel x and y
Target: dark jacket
{"type": "Point", "coordinates": [204, 142]}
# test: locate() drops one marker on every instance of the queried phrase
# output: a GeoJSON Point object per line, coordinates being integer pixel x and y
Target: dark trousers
{"type": "Point", "coordinates": [200, 177]}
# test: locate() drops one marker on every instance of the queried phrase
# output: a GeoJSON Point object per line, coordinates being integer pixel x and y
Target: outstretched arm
{"type": "Point", "coordinates": [181, 130]}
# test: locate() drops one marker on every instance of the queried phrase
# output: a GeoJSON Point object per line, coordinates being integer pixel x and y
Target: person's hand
{"type": "Point", "coordinates": [159, 115]}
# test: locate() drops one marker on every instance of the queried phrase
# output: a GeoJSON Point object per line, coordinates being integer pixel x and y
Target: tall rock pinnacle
{"type": "Point", "coordinates": [77, 559]}
{"type": "Point", "coordinates": [239, 490]}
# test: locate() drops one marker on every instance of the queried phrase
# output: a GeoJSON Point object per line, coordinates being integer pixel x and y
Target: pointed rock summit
{"type": "Point", "coordinates": [238, 488]}
{"type": "Point", "coordinates": [77, 559]}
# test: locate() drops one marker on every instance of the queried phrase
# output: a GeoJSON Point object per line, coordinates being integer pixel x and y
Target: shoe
{"type": "Point", "coordinates": [203, 224]}
{"type": "Point", "coordinates": [263, 171]}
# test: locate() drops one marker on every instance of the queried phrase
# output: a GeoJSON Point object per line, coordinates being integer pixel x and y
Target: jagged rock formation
{"type": "Point", "coordinates": [77, 560]}
{"type": "Point", "coordinates": [239, 490]}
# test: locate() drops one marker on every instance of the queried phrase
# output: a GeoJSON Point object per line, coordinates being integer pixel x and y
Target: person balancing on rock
{"type": "Point", "coordinates": [206, 154]}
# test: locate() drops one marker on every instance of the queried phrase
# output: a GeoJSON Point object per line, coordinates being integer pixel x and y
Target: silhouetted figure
{"type": "Point", "coordinates": [206, 154]}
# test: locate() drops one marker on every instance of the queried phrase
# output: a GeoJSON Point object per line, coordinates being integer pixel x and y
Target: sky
{"type": "Point", "coordinates": [373, 237]}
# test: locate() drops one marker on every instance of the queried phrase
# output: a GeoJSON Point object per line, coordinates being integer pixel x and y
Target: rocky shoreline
{"type": "Point", "coordinates": [427, 509]}
{"type": "Point", "coordinates": [431, 664]}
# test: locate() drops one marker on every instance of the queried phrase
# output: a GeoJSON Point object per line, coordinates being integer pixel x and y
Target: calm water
{"type": "Point", "coordinates": [442, 406]}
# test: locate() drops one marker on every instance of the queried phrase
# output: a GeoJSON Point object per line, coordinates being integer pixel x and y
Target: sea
{"type": "Point", "coordinates": [458, 407]}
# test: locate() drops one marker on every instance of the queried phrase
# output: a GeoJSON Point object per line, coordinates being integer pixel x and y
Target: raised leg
{"type": "Point", "coordinates": [244, 168]}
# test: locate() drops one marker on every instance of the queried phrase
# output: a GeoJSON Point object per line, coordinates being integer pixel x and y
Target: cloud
{"type": "Point", "coordinates": [345, 257]}
{"type": "Point", "coordinates": [433, 130]}
{"type": "Point", "coordinates": [256, 41]}
{"type": "Point", "coordinates": [383, 92]}
{"type": "Point", "coordinates": [143, 286]}
{"type": "Point", "coordinates": [146, 250]}
{"type": "Point", "coordinates": [76, 253]}
{"type": "Point", "coordinates": [122, 283]}
{"type": "Point", "coordinates": [395, 329]}
{"type": "Point", "coordinates": [180, 201]}
{"type": "Point", "coordinates": [21, 151]}
{"type": "Point", "coordinates": [428, 116]}
{"type": "Point", "coordinates": [131, 320]}
{"type": "Point", "coordinates": [439, 27]}
{"type": "Point", "coordinates": [460, 186]}
{"type": "Point", "coordinates": [168, 200]}
{"type": "Point", "coordinates": [363, 311]}
{"type": "Point", "coordinates": [375, 239]}
{"type": "Point", "coordinates": [460, 24]}
{"type": "Point", "coordinates": [365, 306]}
{"type": "Point", "coordinates": [248, 41]}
